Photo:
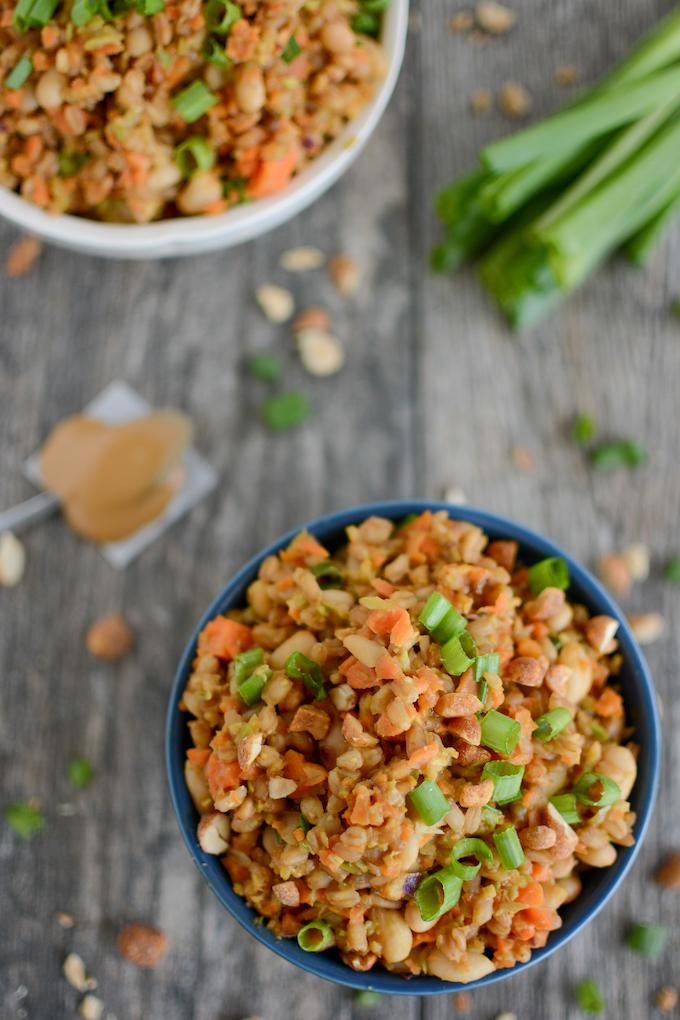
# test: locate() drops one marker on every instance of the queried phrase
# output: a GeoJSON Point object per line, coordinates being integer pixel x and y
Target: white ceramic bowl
{"type": "Point", "coordinates": [194, 234]}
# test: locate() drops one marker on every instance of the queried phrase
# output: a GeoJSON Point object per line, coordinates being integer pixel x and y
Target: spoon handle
{"type": "Point", "coordinates": [32, 510]}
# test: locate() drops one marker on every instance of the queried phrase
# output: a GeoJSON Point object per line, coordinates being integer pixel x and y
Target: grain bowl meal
{"type": "Point", "coordinates": [136, 110]}
{"type": "Point", "coordinates": [410, 748]}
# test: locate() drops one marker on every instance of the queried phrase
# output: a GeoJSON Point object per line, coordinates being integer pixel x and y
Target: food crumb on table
{"type": "Point", "coordinates": [462, 1001]}
{"type": "Point", "coordinates": [514, 100]}
{"type": "Point", "coordinates": [64, 919]}
{"type": "Point", "coordinates": [23, 255]}
{"type": "Point", "coordinates": [614, 571]}
{"type": "Point", "coordinates": [110, 637]}
{"type": "Point", "coordinates": [566, 74]}
{"type": "Point", "coordinates": [142, 944]}
{"type": "Point", "coordinates": [91, 1008]}
{"type": "Point", "coordinates": [494, 18]}
{"type": "Point", "coordinates": [302, 259]}
{"type": "Point", "coordinates": [276, 302]}
{"type": "Point", "coordinates": [668, 873]}
{"type": "Point", "coordinates": [73, 969]}
{"type": "Point", "coordinates": [636, 557]}
{"type": "Point", "coordinates": [12, 560]}
{"type": "Point", "coordinates": [481, 101]}
{"type": "Point", "coordinates": [647, 627]}
{"type": "Point", "coordinates": [667, 998]}
{"type": "Point", "coordinates": [320, 353]}
{"type": "Point", "coordinates": [524, 459]}
{"type": "Point", "coordinates": [313, 317]}
{"type": "Point", "coordinates": [345, 274]}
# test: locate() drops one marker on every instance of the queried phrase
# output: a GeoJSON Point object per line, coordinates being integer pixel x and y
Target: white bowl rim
{"type": "Point", "coordinates": [186, 235]}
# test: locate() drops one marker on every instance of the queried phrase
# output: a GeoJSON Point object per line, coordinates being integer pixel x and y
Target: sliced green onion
{"type": "Point", "coordinates": [300, 667]}
{"type": "Point", "coordinates": [365, 23]}
{"type": "Point", "coordinates": [315, 937]}
{"type": "Point", "coordinates": [150, 7]}
{"type": "Point", "coordinates": [507, 780]}
{"type": "Point", "coordinates": [438, 893]}
{"type": "Point", "coordinates": [551, 723]}
{"type": "Point", "coordinates": [490, 663]}
{"type": "Point", "coordinates": [374, 6]}
{"type": "Point", "coordinates": [20, 73]}
{"type": "Point", "coordinates": [33, 13]}
{"type": "Point", "coordinates": [452, 625]}
{"type": "Point", "coordinates": [285, 411]}
{"type": "Point", "coordinates": [220, 15]}
{"type": "Point", "coordinates": [611, 792]}
{"type": "Point", "coordinates": [304, 824]}
{"type": "Point", "coordinates": [264, 366]}
{"type": "Point", "coordinates": [500, 732]}
{"type": "Point", "coordinates": [71, 162]}
{"type": "Point", "coordinates": [292, 50]}
{"type": "Point", "coordinates": [672, 570]}
{"type": "Point", "coordinates": [647, 939]}
{"type": "Point", "coordinates": [367, 997]}
{"type": "Point", "coordinates": [469, 847]}
{"type": "Point", "coordinates": [454, 658]}
{"type": "Point", "coordinates": [429, 802]}
{"type": "Point", "coordinates": [328, 575]}
{"type": "Point", "coordinates": [583, 429]}
{"type": "Point", "coordinates": [20, 16]}
{"type": "Point", "coordinates": [567, 806]}
{"type": "Point", "coordinates": [193, 101]}
{"type": "Point", "coordinates": [214, 52]}
{"type": "Point", "coordinates": [246, 663]}
{"type": "Point", "coordinates": [434, 611]}
{"type": "Point", "coordinates": [589, 997]}
{"type": "Point", "coordinates": [598, 730]}
{"type": "Point", "coordinates": [482, 690]}
{"type": "Point", "coordinates": [250, 690]}
{"type": "Point", "coordinates": [491, 815]}
{"type": "Point", "coordinates": [408, 519]}
{"type": "Point", "coordinates": [25, 818]}
{"type": "Point", "coordinates": [623, 453]}
{"type": "Point", "coordinates": [80, 773]}
{"type": "Point", "coordinates": [550, 573]}
{"type": "Point", "coordinates": [509, 847]}
{"type": "Point", "coordinates": [194, 154]}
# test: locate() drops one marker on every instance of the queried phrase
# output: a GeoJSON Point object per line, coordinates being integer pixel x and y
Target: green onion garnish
{"type": "Point", "coordinates": [624, 453]}
{"type": "Point", "coordinates": [491, 815]}
{"type": "Point", "coordinates": [429, 802]}
{"type": "Point", "coordinates": [33, 13]}
{"type": "Point", "coordinates": [193, 101]}
{"type": "Point", "coordinates": [499, 732]}
{"type": "Point", "coordinates": [214, 52]}
{"type": "Point", "coordinates": [194, 154]}
{"type": "Point", "coordinates": [490, 663]}
{"type": "Point", "coordinates": [647, 939]}
{"type": "Point", "coordinates": [83, 11]}
{"type": "Point", "coordinates": [315, 937]}
{"type": "Point", "coordinates": [71, 162]}
{"type": "Point", "coordinates": [264, 366]}
{"type": "Point", "coordinates": [610, 794]}
{"type": "Point", "coordinates": [374, 6]}
{"type": "Point", "coordinates": [482, 690]}
{"type": "Point", "coordinates": [246, 662]}
{"type": "Point", "coordinates": [20, 73]}
{"type": "Point", "coordinates": [251, 689]}
{"type": "Point", "coordinates": [470, 847]}
{"type": "Point", "coordinates": [25, 818]}
{"type": "Point", "coordinates": [365, 24]}
{"type": "Point", "coordinates": [285, 411]}
{"type": "Point", "coordinates": [583, 429]}
{"type": "Point", "coordinates": [220, 15]}
{"type": "Point", "coordinates": [598, 730]}
{"type": "Point", "coordinates": [454, 658]}
{"type": "Point", "coordinates": [507, 780]}
{"type": "Point", "coordinates": [440, 618]}
{"type": "Point", "coordinates": [80, 773]}
{"type": "Point", "coordinates": [509, 847]}
{"type": "Point", "coordinates": [150, 7]}
{"type": "Point", "coordinates": [292, 50]}
{"type": "Point", "coordinates": [551, 723]}
{"type": "Point", "coordinates": [328, 575]}
{"type": "Point", "coordinates": [438, 893]}
{"type": "Point", "coordinates": [300, 667]}
{"type": "Point", "coordinates": [567, 806]}
{"type": "Point", "coordinates": [550, 573]}
{"type": "Point", "coordinates": [672, 570]}
{"type": "Point", "coordinates": [589, 997]}
{"type": "Point", "coordinates": [305, 825]}
{"type": "Point", "coordinates": [367, 997]}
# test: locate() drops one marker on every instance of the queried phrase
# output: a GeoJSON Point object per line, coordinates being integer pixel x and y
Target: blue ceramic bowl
{"type": "Point", "coordinates": [598, 885]}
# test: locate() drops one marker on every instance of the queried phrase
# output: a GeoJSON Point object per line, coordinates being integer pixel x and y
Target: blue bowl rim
{"type": "Point", "coordinates": [329, 966]}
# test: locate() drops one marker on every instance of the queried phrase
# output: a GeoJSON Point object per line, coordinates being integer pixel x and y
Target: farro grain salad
{"type": "Point", "coordinates": [133, 110]}
{"type": "Point", "coordinates": [411, 748]}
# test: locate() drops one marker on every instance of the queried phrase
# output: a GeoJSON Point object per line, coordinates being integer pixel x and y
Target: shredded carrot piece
{"type": "Point", "coordinates": [198, 755]}
{"type": "Point", "coordinates": [225, 638]}
{"type": "Point", "coordinates": [532, 894]}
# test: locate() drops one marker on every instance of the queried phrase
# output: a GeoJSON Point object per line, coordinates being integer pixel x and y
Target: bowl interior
{"type": "Point", "coordinates": [598, 885]}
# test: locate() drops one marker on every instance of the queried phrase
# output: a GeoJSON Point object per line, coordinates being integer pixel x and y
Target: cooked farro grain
{"type": "Point", "coordinates": [135, 110]}
{"type": "Point", "coordinates": [416, 763]}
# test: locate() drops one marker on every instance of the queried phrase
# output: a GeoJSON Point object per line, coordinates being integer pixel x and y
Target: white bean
{"type": "Point", "coordinates": [50, 90]}
{"type": "Point", "coordinates": [394, 934]}
{"type": "Point", "coordinates": [302, 641]}
{"type": "Point", "coordinates": [474, 966]}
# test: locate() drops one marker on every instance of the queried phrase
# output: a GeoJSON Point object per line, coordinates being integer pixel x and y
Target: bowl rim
{"type": "Point", "coordinates": [328, 967]}
{"type": "Point", "coordinates": [183, 235]}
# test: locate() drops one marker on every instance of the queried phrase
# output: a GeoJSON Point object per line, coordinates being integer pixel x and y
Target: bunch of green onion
{"type": "Point", "coordinates": [550, 203]}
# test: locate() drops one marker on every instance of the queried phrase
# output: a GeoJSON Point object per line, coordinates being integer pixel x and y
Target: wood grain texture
{"type": "Point", "coordinates": [435, 392]}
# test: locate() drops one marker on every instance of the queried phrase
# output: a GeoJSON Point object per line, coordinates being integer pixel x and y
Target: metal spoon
{"type": "Point", "coordinates": [32, 510]}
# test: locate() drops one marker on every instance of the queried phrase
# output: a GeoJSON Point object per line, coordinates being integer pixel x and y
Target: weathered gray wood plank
{"type": "Point", "coordinates": [437, 393]}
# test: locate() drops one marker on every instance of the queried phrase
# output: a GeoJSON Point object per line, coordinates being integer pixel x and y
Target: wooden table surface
{"type": "Point", "coordinates": [435, 392]}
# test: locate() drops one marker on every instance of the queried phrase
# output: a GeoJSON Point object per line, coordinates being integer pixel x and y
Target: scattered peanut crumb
{"type": "Point", "coordinates": [312, 318]}
{"type": "Point", "coordinates": [320, 353]}
{"type": "Point", "coordinates": [141, 944]}
{"type": "Point", "coordinates": [12, 559]}
{"type": "Point", "coordinates": [668, 874]}
{"type": "Point", "coordinates": [667, 998]}
{"type": "Point", "coordinates": [494, 18]}
{"type": "Point", "coordinates": [461, 22]}
{"type": "Point", "coordinates": [647, 627]}
{"type": "Point", "coordinates": [73, 969]}
{"type": "Point", "coordinates": [523, 458]}
{"type": "Point", "coordinates": [615, 573]}
{"type": "Point", "coordinates": [109, 637]}
{"type": "Point", "coordinates": [514, 100]}
{"type": "Point", "coordinates": [345, 274]}
{"type": "Point", "coordinates": [566, 74]}
{"type": "Point", "coordinates": [23, 255]}
{"type": "Point", "coordinates": [462, 1002]}
{"type": "Point", "coordinates": [301, 260]}
{"type": "Point", "coordinates": [506, 1016]}
{"type": "Point", "coordinates": [637, 561]}
{"type": "Point", "coordinates": [276, 302]}
{"type": "Point", "coordinates": [91, 1008]}
{"type": "Point", "coordinates": [65, 919]}
{"type": "Point", "coordinates": [454, 494]}
{"type": "Point", "coordinates": [481, 101]}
